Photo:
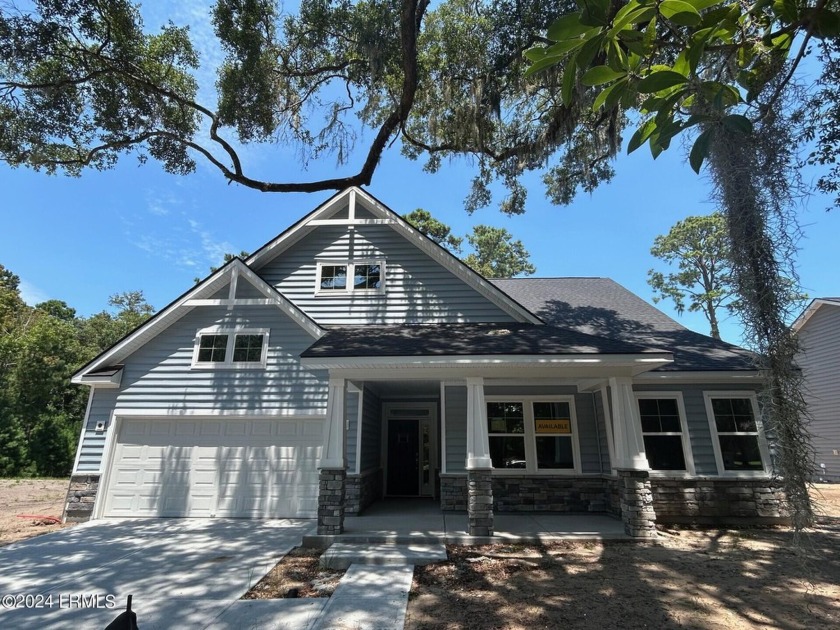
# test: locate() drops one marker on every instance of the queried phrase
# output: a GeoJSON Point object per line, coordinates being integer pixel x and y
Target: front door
{"type": "Point", "coordinates": [410, 442]}
{"type": "Point", "coordinates": [403, 458]}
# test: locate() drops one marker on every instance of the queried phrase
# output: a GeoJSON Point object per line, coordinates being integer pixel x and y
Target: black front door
{"type": "Point", "coordinates": [403, 458]}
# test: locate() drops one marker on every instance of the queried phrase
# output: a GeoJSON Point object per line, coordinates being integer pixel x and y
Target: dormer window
{"type": "Point", "coordinates": [364, 276]}
{"type": "Point", "coordinates": [230, 348]}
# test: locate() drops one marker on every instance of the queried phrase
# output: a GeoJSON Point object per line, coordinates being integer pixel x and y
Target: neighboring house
{"type": "Point", "coordinates": [351, 358]}
{"type": "Point", "coordinates": [818, 328]}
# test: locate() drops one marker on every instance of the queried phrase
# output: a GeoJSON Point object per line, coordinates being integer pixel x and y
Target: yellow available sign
{"type": "Point", "coordinates": [554, 426]}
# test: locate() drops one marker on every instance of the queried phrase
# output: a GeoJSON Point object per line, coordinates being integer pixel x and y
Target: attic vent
{"type": "Point", "coordinates": [498, 332]}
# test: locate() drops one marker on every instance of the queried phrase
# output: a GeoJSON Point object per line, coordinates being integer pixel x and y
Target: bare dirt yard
{"type": "Point", "coordinates": [706, 579]}
{"type": "Point", "coordinates": [30, 507]}
{"type": "Point", "coordinates": [703, 579]}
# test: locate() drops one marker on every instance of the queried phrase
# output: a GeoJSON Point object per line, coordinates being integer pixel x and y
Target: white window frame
{"type": "Point", "coordinates": [688, 455]}
{"type": "Point", "coordinates": [763, 446]}
{"type": "Point", "coordinates": [351, 273]}
{"type": "Point", "coordinates": [229, 363]}
{"type": "Point", "coordinates": [530, 436]}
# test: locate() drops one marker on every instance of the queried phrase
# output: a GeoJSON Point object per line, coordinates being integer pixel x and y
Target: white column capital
{"type": "Point", "coordinates": [627, 427]}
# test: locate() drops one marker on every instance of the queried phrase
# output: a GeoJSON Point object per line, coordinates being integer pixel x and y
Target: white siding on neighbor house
{"type": "Point", "coordinates": [698, 422]}
{"type": "Point", "coordinates": [819, 339]}
{"type": "Point", "coordinates": [418, 289]}
{"type": "Point", "coordinates": [159, 377]}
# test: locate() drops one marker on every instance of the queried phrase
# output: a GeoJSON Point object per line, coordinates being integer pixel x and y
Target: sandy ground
{"type": "Point", "coordinates": [33, 499]}
{"type": "Point", "coordinates": [704, 579]}
{"type": "Point", "coordinates": [711, 579]}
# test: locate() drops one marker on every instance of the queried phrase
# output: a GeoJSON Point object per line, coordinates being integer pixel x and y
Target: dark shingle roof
{"type": "Point", "coordinates": [466, 339]}
{"type": "Point", "coordinates": [600, 306]}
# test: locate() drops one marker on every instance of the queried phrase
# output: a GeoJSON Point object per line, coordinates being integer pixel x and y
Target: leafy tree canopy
{"type": "Point", "coordinates": [436, 230]}
{"type": "Point", "coordinates": [495, 254]}
{"type": "Point", "coordinates": [40, 348]}
{"type": "Point", "coordinates": [83, 83]}
{"type": "Point", "coordinates": [699, 248]}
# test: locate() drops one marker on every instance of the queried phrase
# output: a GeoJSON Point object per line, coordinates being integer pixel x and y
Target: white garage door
{"type": "Point", "coordinates": [215, 467]}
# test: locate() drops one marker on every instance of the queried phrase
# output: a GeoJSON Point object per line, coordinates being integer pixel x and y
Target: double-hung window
{"type": "Point", "coordinates": [351, 277]}
{"type": "Point", "coordinates": [230, 348]}
{"type": "Point", "coordinates": [737, 435]}
{"type": "Point", "coordinates": [665, 432]}
{"type": "Point", "coordinates": [532, 434]}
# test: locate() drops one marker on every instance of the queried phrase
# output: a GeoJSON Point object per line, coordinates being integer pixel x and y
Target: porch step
{"type": "Point", "coordinates": [342, 555]}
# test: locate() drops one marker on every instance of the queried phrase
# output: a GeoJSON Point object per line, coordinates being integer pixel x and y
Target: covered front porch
{"type": "Point", "coordinates": [422, 521]}
{"type": "Point", "coordinates": [518, 444]}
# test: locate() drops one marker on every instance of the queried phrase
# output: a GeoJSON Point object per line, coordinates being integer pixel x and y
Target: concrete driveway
{"type": "Point", "coordinates": [181, 572]}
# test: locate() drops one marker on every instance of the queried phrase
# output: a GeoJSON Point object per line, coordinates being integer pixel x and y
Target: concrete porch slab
{"type": "Point", "coordinates": [408, 522]}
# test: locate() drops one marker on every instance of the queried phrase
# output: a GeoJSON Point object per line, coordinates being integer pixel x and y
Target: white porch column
{"type": "Point", "coordinates": [478, 443]}
{"type": "Point", "coordinates": [627, 429]}
{"type": "Point", "coordinates": [332, 455]}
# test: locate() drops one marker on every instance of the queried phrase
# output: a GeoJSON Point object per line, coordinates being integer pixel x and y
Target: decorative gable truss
{"type": "Point", "coordinates": [223, 288]}
{"type": "Point", "coordinates": [354, 208]}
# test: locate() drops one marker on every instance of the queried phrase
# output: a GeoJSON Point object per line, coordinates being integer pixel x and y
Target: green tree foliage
{"type": "Point", "coordinates": [699, 247]}
{"type": "Point", "coordinates": [436, 230]}
{"type": "Point", "coordinates": [495, 254]}
{"type": "Point", "coordinates": [83, 83]}
{"type": "Point", "coordinates": [104, 329]}
{"type": "Point", "coordinates": [40, 348]}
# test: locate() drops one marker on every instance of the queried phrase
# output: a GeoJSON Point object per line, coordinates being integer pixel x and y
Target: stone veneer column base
{"type": "Point", "coordinates": [637, 503]}
{"type": "Point", "coordinates": [480, 503]}
{"type": "Point", "coordinates": [331, 485]}
{"type": "Point", "coordinates": [81, 495]}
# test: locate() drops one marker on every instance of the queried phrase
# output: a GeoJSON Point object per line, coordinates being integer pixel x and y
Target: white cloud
{"type": "Point", "coordinates": [31, 294]}
{"type": "Point", "coordinates": [185, 243]}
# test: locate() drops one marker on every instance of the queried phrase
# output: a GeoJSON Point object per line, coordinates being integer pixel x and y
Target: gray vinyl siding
{"type": "Point", "coordinates": [820, 363]}
{"type": "Point", "coordinates": [159, 376]}
{"type": "Point", "coordinates": [371, 431]}
{"type": "Point", "coordinates": [456, 429]}
{"type": "Point", "coordinates": [699, 433]}
{"type": "Point", "coordinates": [352, 412]}
{"type": "Point", "coordinates": [93, 442]}
{"type": "Point", "coordinates": [587, 426]}
{"type": "Point", "coordinates": [418, 289]}
{"type": "Point", "coordinates": [601, 425]}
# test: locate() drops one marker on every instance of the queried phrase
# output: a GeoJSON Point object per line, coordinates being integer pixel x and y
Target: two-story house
{"type": "Point", "coordinates": [351, 358]}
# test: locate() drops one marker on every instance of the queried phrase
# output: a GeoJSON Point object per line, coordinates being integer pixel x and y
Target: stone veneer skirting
{"type": "Point", "coordinates": [711, 501]}
{"type": "Point", "coordinates": [81, 494]}
{"type": "Point", "coordinates": [702, 500]}
{"type": "Point", "coordinates": [362, 490]}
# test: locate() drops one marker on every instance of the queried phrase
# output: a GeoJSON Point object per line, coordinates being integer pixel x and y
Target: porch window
{"type": "Point", "coordinates": [553, 431]}
{"type": "Point", "coordinates": [506, 429]}
{"type": "Point", "coordinates": [665, 437]}
{"type": "Point", "coordinates": [532, 435]}
{"type": "Point", "coordinates": [738, 442]}
{"type": "Point", "coordinates": [230, 348]}
{"type": "Point", "coordinates": [363, 276]}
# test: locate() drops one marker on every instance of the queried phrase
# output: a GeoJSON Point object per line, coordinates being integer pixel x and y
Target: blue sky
{"type": "Point", "coordinates": [137, 227]}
